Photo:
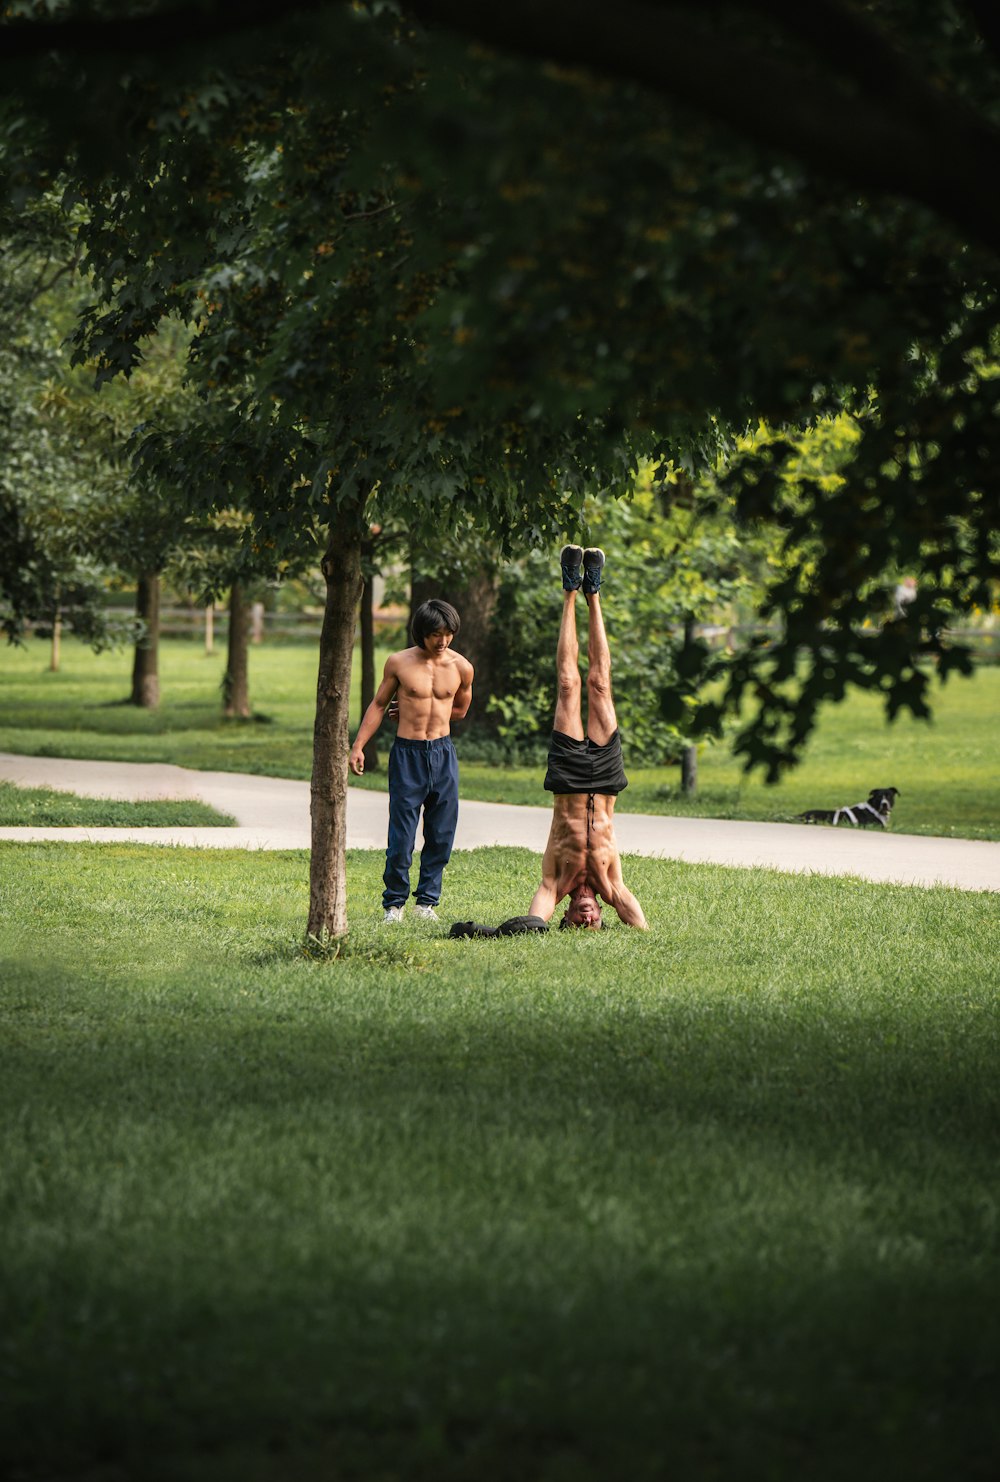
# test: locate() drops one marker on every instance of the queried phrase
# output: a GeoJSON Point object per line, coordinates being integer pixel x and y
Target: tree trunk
{"type": "Point", "coordinates": [367, 623]}
{"type": "Point", "coordinates": [146, 664]}
{"type": "Point", "coordinates": [56, 638]}
{"type": "Point", "coordinates": [210, 629]}
{"type": "Point", "coordinates": [689, 756]}
{"type": "Point", "coordinates": [235, 681]}
{"type": "Point", "coordinates": [475, 600]}
{"type": "Point", "coordinates": [327, 871]}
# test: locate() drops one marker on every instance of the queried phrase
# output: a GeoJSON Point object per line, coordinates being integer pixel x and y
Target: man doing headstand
{"type": "Point", "coordinates": [585, 771]}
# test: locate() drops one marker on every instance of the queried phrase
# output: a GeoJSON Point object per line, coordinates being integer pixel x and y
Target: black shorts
{"type": "Point", "coordinates": [582, 766]}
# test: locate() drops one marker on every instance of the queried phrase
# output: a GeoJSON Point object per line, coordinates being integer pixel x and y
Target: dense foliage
{"type": "Point", "coordinates": [48, 491]}
{"type": "Point", "coordinates": [454, 275]}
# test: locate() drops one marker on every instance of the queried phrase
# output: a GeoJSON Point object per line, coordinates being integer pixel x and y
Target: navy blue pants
{"type": "Point", "coordinates": [422, 774]}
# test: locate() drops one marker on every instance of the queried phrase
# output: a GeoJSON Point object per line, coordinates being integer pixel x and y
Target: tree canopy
{"type": "Point", "coordinates": [475, 262]}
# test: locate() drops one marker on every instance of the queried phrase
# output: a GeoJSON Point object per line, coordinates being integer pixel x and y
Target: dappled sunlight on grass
{"type": "Point", "coordinates": [719, 1195]}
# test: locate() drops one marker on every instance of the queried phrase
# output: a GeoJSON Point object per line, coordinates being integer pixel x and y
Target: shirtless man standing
{"type": "Point", "coordinates": [585, 773]}
{"type": "Point", "coordinates": [433, 686]}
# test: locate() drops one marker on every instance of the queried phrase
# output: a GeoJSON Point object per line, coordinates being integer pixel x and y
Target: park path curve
{"type": "Point", "coordinates": [273, 813]}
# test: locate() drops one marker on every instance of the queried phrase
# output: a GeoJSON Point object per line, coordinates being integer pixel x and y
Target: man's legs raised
{"type": "Point", "coordinates": [569, 690]}
{"type": "Point", "coordinates": [601, 719]}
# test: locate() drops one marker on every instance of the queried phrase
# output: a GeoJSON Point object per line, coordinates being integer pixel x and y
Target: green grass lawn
{"type": "Point", "coordinates": [41, 807]}
{"type": "Point", "coordinates": [946, 771]}
{"type": "Point", "coordinates": [716, 1201]}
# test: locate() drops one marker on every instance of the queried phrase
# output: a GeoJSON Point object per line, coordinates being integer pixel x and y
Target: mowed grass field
{"type": "Point", "coordinates": [946, 771]}
{"type": "Point", "coordinates": [715, 1201]}
{"type": "Point", "coordinates": [41, 807]}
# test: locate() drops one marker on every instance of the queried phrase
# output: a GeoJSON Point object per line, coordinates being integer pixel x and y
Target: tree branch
{"type": "Point", "coordinates": [903, 138]}
{"type": "Point", "coordinates": [936, 155]}
{"type": "Point", "coordinates": [178, 27]}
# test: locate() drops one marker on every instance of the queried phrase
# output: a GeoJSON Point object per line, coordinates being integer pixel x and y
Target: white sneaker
{"type": "Point", "coordinates": [393, 915]}
{"type": "Point", "coordinates": [425, 913]}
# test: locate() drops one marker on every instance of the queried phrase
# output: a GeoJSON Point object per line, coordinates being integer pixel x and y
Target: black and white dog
{"type": "Point", "coordinates": [860, 815]}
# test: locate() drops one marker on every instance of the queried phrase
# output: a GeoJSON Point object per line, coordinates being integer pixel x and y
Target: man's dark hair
{"type": "Point", "coordinates": [430, 617]}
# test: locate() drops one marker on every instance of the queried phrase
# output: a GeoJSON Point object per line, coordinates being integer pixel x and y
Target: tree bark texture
{"type": "Point", "coordinates": [367, 625]}
{"type": "Point", "coordinates": [236, 681]}
{"type": "Point", "coordinates": [327, 869]}
{"type": "Point", "coordinates": [146, 663]}
{"type": "Point", "coordinates": [476, 602]}
{"type": "Point", "coordinates": [475, 599]}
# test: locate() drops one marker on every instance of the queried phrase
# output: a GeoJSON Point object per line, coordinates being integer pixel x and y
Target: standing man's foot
{"type": "Point", "coordinates": [425, 913]}
{"type": "Point", "coordinates": [570, 558]}
{"type": "Point", "coordinates": [393, 915]}
{"type": "Point", "coordinates": [593, 565]}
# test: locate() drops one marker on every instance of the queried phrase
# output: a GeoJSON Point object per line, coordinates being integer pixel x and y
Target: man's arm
{"type": "Point", "coordinates": [463, 695]}
{"type": "Point", "coordinates": [544, 900]}
{"type": "Point", "coordinates": [628, 908]}
{"type": "Point", "coordinates": [373, 716]}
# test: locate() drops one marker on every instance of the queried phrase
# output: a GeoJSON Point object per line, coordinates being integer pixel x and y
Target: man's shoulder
{"type": "Point", "coordinates": [402, 656]}
{"type": "Point", "coordinates": [464, 664]}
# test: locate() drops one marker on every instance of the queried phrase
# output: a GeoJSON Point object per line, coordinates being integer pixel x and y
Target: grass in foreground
{"type": "Point", "coordinates": [718, 1200]}
{"type": "Point", "coordinates": [948, 781]}
{"type": "Point", "coordinates": [43, 807]}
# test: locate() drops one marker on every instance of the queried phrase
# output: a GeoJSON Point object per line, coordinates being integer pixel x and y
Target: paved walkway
{"type": "Point", "coordinates": [273, 813]}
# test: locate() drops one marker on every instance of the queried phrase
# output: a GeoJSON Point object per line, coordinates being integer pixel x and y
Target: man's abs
{"type": "Point", "coordinates": [582, 840]}
{"type": "Point", "coordinates": [425, 700]}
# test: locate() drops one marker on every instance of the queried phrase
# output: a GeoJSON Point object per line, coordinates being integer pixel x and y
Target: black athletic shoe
{"type": "Point", "coordinates": [569, 558]}
{"type": "Point", "coordinates": [593, 565]}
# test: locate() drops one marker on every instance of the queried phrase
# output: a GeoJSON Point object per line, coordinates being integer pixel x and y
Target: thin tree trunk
{"type": "Point", "coordinates": [146, 664]}
{"type": "Point", "coordinates": [689, 756]}
{"type": "Point", "coordinates": [56, 638]}
{"type": "Point", "coordinates": [235, 681]}
{"type": "Point", "coordinates": [367, 625]}
{"type": "Point", "coordinates": [327, 870]}
{"type": "Point", "coordinates": [210, 629]}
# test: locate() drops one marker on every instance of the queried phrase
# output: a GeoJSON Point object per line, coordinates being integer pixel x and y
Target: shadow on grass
{"type": "Point", "coordinates": [672, 1246]}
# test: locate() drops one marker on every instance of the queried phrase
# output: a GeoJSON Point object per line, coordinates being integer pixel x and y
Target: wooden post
{"type": "Point", "coordinates": [210, 628]}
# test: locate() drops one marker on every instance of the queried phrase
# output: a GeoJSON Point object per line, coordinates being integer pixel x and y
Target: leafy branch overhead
{"type": "Point", "coordinates": [480, 259]}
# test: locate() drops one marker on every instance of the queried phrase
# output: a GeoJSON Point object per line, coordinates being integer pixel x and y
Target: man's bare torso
{"type": "Point", "coordinates": [581, 848]}
{"type": "Point", "coordinates": [426, 687]}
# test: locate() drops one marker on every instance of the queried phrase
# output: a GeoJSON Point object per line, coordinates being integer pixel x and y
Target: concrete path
{"type": "Point", "coordinates": [273, 813]}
